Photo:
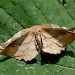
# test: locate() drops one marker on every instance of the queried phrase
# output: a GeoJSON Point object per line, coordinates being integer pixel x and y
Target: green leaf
{"type": "Point", "coordinates": [18, 14]}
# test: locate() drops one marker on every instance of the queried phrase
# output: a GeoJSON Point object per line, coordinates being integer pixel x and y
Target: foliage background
{"type": "Point", "coordinates": [18, 14]}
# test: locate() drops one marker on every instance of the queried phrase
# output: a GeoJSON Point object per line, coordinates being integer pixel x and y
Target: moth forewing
{"type": "Point", "coordinates": [56, 38]}
{"type": "Point", "coordinates": [18, 35]}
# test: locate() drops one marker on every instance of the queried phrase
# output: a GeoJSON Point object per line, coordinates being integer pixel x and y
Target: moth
{"type": "Point", "coordinates": [28, 43]}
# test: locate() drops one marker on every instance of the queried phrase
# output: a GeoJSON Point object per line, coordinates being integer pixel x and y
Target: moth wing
{"type": "Point", "coordinates": [55, 39]}
{"type": "Point", "coordinates": [22, 48]}
{"type": "Point", "coordinates": [18, 35]}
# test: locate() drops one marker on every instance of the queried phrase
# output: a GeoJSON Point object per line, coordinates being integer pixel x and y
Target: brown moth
{"type": "Point", "coordinates": [28, 43]}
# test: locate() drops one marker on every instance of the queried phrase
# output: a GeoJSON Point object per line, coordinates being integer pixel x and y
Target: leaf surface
{"type": "Point", "coordinates": [18, 14]}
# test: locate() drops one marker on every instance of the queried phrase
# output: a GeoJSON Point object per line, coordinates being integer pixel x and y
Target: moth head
{"type": "Point", "coordinates": [35, 28]}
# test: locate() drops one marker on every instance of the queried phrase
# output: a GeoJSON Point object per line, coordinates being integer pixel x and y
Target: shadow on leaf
{"type": "Point", "coordinates": [51, 58]}
{"type": "Point", "coordinates": [4, 59]}
{"type": "Point", "coordinates": [45, 58]}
